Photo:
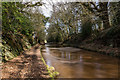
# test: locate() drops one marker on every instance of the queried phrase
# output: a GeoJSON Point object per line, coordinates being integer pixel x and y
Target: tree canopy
{"type": "Point", "coordinates": [82, 18]}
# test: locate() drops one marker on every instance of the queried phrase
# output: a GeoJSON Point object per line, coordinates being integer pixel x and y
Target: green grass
{"type": "Point", "coordinates": [51, 70]}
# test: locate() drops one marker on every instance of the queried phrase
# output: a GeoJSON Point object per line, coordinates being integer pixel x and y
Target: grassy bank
{"type": "Point", "coordinates": [51, 70]}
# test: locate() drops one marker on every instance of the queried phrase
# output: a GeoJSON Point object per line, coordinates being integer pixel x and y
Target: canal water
{"type": "Point", "coordinates": [77, 63]}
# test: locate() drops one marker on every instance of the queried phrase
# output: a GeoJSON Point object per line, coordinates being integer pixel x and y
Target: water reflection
{"type": "Point", "coordinates": [66, 55]}
{"type": "Point", "coordinates": [77, 63]}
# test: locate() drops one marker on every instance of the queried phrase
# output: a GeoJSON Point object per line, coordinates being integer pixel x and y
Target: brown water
{"type": "Point", "coordinates": [77, 63]}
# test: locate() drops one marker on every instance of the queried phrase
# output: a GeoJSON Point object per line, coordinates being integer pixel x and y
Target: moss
{"type": "Point", "coordinates": [51, 70]}
{"type": "Point", "coordinates": [8, 53]}
{"type": "Point", "coordinates": [55, 73]}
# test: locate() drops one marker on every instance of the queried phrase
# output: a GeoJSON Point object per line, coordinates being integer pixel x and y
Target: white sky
{"type": "Point", "coordinates": [47, 7]}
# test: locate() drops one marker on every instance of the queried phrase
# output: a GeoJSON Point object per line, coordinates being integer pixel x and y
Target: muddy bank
{"type": "Point", "coordinates": [105, 42]}
{"type": "Point", "coordinates": [106, 50]}
{"type": "Point", "coordinates": [27, 65]}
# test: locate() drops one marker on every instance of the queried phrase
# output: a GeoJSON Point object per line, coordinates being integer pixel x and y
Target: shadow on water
{"type": "Point", "coordinates": [78, 63]}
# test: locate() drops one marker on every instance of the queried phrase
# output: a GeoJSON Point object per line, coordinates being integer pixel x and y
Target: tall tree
{"type": "Point", "coordinates": [99, 9]}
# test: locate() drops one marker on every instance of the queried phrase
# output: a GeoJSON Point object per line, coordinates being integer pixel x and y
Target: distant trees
{"type": "Point", "coordinates": [38, 21]}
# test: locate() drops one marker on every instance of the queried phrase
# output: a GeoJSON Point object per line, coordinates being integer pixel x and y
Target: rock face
{"type": "Point", "coordinates": [27, 65]}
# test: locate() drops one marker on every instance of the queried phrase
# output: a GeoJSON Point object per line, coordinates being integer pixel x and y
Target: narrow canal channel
{"type": "Point", "coordinates": [77, 63]}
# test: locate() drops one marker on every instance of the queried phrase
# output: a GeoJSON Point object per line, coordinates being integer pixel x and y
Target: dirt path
{"type": "Point", "coordinates": [27, 65]}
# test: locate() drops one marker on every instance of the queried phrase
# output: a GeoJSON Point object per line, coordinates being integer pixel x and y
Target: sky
{"type": "Point", "coordinates": [47, 7]}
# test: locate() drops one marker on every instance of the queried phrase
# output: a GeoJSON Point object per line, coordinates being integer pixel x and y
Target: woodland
{"type": "Point", "coordinates": [80, 23]}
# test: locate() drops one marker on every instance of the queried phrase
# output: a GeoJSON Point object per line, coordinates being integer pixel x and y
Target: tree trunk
{"type": "Point", "coordinates": [106, 24]}
{"type": "Point", "coordinates": [105, 15]}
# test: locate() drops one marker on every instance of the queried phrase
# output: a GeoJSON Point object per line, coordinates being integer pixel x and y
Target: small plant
{"type": "Point", "coordinates": [52, 72]}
